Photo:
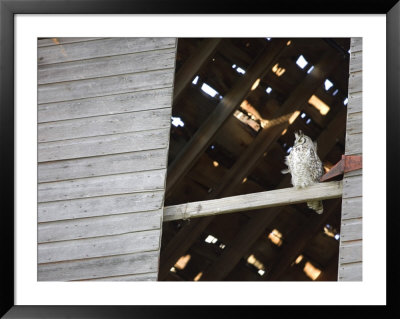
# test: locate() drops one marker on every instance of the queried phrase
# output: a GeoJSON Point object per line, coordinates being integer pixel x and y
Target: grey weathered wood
{"type": "Point", "coordinates": [353, 144]}
{"type": "Point", "coordinates": [106, 66]}
{"type": "Point", "coordinates": [152, 276]}
{"type": "Point", "coordinates": [98, 226]}
{"type": "Point", "coordinates": [99, 206]}
{"type": "Point", "coordinates": [356, 172]}
{"type": "Point", "coordinates": [101, 48]}
{"type": "Point", "coordinates": [105, 105]}
{"type": "Point", "coordinates": [99, 246]}
{"type": "Point", "coordinates": [355, 82]}
{"type": "Point", "coordinates": [102, 185]}
{"type": "Point", "coordinates": [350, 252]}
{"type": "Point", "coordinates": [102, 145]}
{"type": "Point", "coordinates": [350, 272]}
{"type": "Point", "coordinates": [351, 208]}
{"type": "Point", "coordinates": [356, 61]}
{"type": "Point", "coordinates": [104, 125]}
{"type": "Point", "coordinates": [99, 267]}
{"type": "Point", "coordinates": [351, 229]}
{"type": "Point", "coordinates": [286, 196]}
{"type": "Point", "coordinates": [352, 186]}
{"type": "Point", "coordinates": [104, 119]}
{"type": "Point", "coordinates": [73, 90]}
{"type": "Point", "coordinates": [355, 44]}
{"type": "Point", "coordinates": [354, 123]}
{"type": "Point", "coordinates": [102, 165]}
{"type": "Point", "coordinates": [59, 41]}
{"type": "Point", "coordinates": [355, 103]}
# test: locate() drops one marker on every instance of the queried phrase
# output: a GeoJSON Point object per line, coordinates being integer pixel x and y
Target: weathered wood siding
{"type": "Point", "coordinates": [350, 253]}
{"type": "Point", "coordinates": [104, 114]}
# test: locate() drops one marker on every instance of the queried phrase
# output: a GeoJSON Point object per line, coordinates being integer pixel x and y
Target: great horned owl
{"type": "Point", "coordinates": [305, 166]}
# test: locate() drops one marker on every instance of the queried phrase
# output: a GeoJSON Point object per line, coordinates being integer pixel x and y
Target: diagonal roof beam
{"type": "Point", "coordinates": [200, 140]}
{"type": "Point", "coordinates": [257, 224]}
{"type": "Point", "coordinates": [292, 250]}
{"type": "Point", "coordinates": [193, 64]}
{"type": "Point", "coordinates": [182, 241]}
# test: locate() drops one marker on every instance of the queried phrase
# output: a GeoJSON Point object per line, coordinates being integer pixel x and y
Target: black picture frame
{"type": "Point", "coordinates": [9, 8]}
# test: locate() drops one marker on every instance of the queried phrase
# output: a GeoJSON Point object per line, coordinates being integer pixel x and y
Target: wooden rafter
{"type": "Point", "coordinates": [192, 66]}
{"type": "Point", "coordinates": [200, 140]}
{"type": "Point", "coordinates": [256, 225]}
{"type": "Point", "coordinates": [188, 234]}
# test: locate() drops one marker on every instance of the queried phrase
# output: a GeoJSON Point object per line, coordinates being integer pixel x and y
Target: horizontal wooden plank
{"type": "Point", "coordinates": [106, 66]}
{"type": "Point", "coordinates": [351, 208]}
{"type": "Point", "coordinates": [104, 125]}
{"type": "Point", "coordinates": [350, 272]}
{"type": "Point", "coordinates": [355, 61]}
{"type": "Point", "coordinates": [102, 165]}
{"type": "Point", "coordinates": [99, 206]}
{"type": "Point", "coordinates": [356, 44]}
{"type": "Point", "coordinates": [355, 102]}
{"type": "Point", "coordinates": [102, 185]}
{"type": "Point", "coordinates": [99, 267]}
{"type": "Point", "coordinates": [98, 226]}
{"type": "Point", "coordinates": [101, 48]}
{"type": "Point", "coordinates": [354, 123]}
{"type": "Point", "coordinates": [353, 144]}
{"type": "Point", "coordinates": [273, 198]}
{"type": "Point", "coordinates": [352, 186]}
{"type": "Point", "coordinates": [67, 91]}
{"type": "Point", "coordinates": [357, 172]}
{"type": "Point", "coordinates": [60, 41]}
{"type": "Point", "coordinates": [102, 145]}
{"type": "Point", "coordinates": [152, 276]}
{"type": "Point", "coordinates": [99, 246]}
{"type": "Point", "coordinates": [351, 229]}
{"type": "Point", "coordinates": [350, 252]}
{"type": "Point", "coordinates": [355, 82]}
{"type": "Point", "coordinates": [105, 105]}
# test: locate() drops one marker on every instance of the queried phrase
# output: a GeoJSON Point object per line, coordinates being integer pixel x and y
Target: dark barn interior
{"type": "Point", "coordinates": [237, 103]}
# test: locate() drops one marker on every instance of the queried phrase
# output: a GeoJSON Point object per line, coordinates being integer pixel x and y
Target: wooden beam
{"type": "Point", "coordinates": [204, 135]}
{"type": "Point", "coordinates": [193, 64]}
{"type": "Point", "coordinates": [279, 197]}
{"type": "Point", "coordinates": [243, 166]}
{"type": "Point", "coordinates": [256, 225]}
{"type": "Point", "coordinates": [269, 135]}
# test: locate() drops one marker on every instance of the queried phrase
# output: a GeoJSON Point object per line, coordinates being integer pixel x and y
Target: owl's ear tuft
{"type": "Point", "coordinates": [285, 171]}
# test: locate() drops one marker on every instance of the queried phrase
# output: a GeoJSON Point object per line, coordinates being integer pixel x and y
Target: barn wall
{"type": "Point", "coordinates": [350, 253]}
{"type": "Point", "coordinates": [104, 114]}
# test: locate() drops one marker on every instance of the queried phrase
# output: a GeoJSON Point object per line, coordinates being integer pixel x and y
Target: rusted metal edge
{"type": "Point", "coordinates": [348, 163]}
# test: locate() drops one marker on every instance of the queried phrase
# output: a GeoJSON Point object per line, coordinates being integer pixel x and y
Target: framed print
{"type": "Point", "coordinates": [145, 147]}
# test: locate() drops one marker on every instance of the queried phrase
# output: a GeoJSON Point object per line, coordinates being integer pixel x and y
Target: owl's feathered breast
{"type": "Point", "coordinates": [304, 165]}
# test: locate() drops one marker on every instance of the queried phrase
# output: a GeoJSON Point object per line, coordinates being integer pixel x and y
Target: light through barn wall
{"type": "Point", "coordinates": [293, 117]}
{"type": "Point", "coordinates": [322, 107]}
{"type": "Point", "coordinates": [182, 262]}
{"type": "Point", "coordinates": [198, 276]}
{"type": "Point", "coordinates": [255, 84]}
{"type": "Point", "coordinates": [278, 70]}
{"type": "Point", "coordinates": [276, 237]}
{"type": "Point", "coordinates": [311, 271]}
{"type": "Point", "coordinates": [252, 260]}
